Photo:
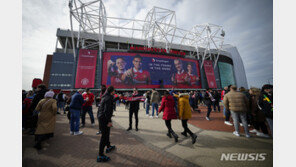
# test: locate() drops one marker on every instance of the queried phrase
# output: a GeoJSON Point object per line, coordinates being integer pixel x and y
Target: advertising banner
{"type": "Point", "coordinates": [128, 70]}
{"type": "Point", "coordinates": [226, 74]}
{"type": "Point", "coordinates": [209, 70]}
{"type": "Point", "coordinates": [86, 68]}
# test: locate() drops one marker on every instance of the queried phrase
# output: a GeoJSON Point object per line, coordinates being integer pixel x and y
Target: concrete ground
{"type": "Point", "coordinates": [147, 147]}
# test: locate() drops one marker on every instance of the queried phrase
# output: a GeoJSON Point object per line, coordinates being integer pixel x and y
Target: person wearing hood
{"type": "Point", "coordinates": [169, 113]}
{"type": "Point", "coordinates": [265, 104]}
{"type": "Point", "coordinates": [47, 108]}
{"type": "Point", "coordinates": [185, 114]}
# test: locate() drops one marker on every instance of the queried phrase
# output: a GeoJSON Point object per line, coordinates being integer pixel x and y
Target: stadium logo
{"type": "Point", "coordinates": [84, 81]}
{"type": "Point", "coordinates": [153, 60]}
{"type": "Point", "coordinates": [243, 156]}
{"type": "Point", "coordinates": [88, 52]}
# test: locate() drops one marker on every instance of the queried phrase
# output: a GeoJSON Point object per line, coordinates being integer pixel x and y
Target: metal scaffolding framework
{"type": "Point", "coordinates": [158, 27]}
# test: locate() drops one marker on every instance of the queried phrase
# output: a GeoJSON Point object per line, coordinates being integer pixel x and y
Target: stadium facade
{"type": "Point", "coordinates": [168, 56]}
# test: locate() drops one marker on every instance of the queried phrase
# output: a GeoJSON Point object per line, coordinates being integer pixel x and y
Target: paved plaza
{"type": "Point", "coordinates": [149, 146]}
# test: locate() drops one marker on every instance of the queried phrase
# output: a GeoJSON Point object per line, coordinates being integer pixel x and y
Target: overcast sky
{"type": "Point", "coordinates": [248, 25]}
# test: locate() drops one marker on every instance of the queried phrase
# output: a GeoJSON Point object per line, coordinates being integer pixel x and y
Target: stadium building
{"type": "Point", "coordinates": [150, 53]}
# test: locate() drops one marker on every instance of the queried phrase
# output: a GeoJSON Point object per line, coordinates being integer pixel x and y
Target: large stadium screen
{"type": "Point", "coordinates": [128, 70]}
{"type": "Point", "coordinates": [226, 74]}
{"type": "Point", "coordinates": [86, 68]}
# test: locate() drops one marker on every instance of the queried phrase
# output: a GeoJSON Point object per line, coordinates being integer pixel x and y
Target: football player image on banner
{"type": "Point", "coordinates": [128, 70]}
{"type": "Point", "coordinates": [209, 70]}
{"type": "Point", "coordinates": [86, 68]}
{"type": "Point", "coordinates": [193, 79]}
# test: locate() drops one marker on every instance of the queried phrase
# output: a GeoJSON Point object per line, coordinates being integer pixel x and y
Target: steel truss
{"type": "Point", "coordinates": [159, 29]}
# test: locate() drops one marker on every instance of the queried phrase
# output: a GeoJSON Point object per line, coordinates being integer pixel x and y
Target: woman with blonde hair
{"type": "Point", "coordinates": [257, 114]}
{"type": "Point", "coordinates": [185, 114]}
{"type": "Point", "coordinates": [47, 109]}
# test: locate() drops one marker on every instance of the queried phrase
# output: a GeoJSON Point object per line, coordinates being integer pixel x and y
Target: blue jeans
{"type": "Point", "coordinates": [75, 120]}
{"type": "Point", "coordinates": [87, 109]}
{"type": "Point", "coordinates": [209, 109]}
{"type": "Point", "coordinates": [176, 108]}
{"type": "Point", "coordinates": [226, 113]}
{"type": "Point", "coordinates": [147, 108]}
{"type": "Point", "coordinates": [154, 106]}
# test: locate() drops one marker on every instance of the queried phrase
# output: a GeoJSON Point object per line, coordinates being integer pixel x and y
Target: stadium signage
{"type": "Point", "coordinates": [158, 50]}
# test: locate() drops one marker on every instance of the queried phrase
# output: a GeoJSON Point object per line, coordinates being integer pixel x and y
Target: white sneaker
{"type": "Point", "coordinates": [253, 131]}
{"type": "Point", "coordinates": [262, 135]}
{"type": "Point", "coordinates": [228, 123]}
{"type": "Point", "coordinates": [240, 124]}
{"type": "Point", "coordinates": [151, 116]}
{"type": "Point", "coordinates": [207, 118]}
{"type": "Point", "coordinates": [71, 133]}
{"type": "Point", "coordinates": [248, 136]}
{"type": "Point", "coordinates": [156, 116]}
{"type": "Point", "coordinates": [236, 133]}
{"type": "Point", "coordinates": [78, 133]}
{"type": "Point", "coordinates": [147, 115]}
{"type": "Point", "coordinates": [93, 124]}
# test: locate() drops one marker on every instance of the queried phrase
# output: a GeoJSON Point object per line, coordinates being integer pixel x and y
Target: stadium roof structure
{"type": "Point", "coordinates": [159, 26]}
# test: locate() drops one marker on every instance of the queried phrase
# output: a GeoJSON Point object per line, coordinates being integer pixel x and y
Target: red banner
{"type": "Point", "coordinates": [209, 70]}
{"type": "Point", "coordinates": [86, 68]}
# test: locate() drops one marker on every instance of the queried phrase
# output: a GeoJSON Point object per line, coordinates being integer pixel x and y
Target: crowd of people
{"type": "Point", "coordinates": [248, 108]}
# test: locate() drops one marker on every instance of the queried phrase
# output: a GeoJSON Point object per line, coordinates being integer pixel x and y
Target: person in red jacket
{"type": "Point", "coordinates": [169, 113]}
{"type": "Point", "coordinates": [26, 106]}
{"type": "Point", "coordinates": [87, 107]}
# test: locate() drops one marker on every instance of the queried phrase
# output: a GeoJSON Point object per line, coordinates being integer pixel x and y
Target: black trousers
{"type": "Point", "coordinates": [41, 138]}
{"type": "Point", "coordinates": [168, 125]}
{"type": "Point", "coordinates": [131, 112]}
{"type": "Point", "coordinates": [105, 138]}
{"type": "Point", "coordinates": [260, 125]}
{"type": "Point", "coordinates": [87, 109]}
{"type": "Point", "coordinates": [185, 126]}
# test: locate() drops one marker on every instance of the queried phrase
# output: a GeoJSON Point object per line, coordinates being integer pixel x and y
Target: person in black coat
{"type": "Point", "coordinates": [105, 113]}
{"type": "Point", "coordinates": [40, 92]}
{"type": "Point", "coordinates": [134, 107]}
{"type": "Point", "coordinates": [265, 104]}
{"type": "Point", "coordinates": [208, 100]}
{"type": "Point", "coordinates": [217, 97]}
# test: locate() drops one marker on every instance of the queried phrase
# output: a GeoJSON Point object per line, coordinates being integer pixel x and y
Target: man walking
{"type": "Point", "coordinates": [154, 102]}
{"type": "Point", "coordinates": [225, 111]}
{"type": "Point", "coordinates": [61, 99]}
{"type": "Point", "coordinates": [87, 107]}
{"type": "Point", "coordinates": [238, 104]}
{"type": "Point", "coordinates": [75, 108]}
